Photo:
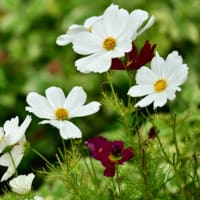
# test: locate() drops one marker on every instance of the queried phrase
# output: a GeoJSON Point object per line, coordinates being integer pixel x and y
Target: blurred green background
{"type": "Point", "coordinates": [30, 60]}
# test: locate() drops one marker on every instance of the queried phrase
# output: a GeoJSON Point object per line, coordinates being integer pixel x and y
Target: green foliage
{"type": "Point", "coordinates": [30, 60]}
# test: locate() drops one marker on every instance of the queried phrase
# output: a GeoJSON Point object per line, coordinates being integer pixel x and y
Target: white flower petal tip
{"type": "Point", "coordinates": [75, 29]}
{"type": "Point", "coordinates": [22, 183]}
{"type": "Point", "coordinates": [11, 126]}
{"type": "Point", "coordinates": [159, 83]}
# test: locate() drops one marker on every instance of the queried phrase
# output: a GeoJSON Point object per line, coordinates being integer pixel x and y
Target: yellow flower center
{"type": "Point", "coordinates": [61, 113]}
{"type": "Point", "coordinates": [113, 158]}
{"type": "Point", "coordinates": [109, 43]}
{"type": "Point", "coordinates": [89, 29]}
{"type": "Point", "coordinates": [160, 85]}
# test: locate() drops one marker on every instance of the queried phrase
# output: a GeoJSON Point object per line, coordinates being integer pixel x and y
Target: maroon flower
{"type": "Point", "coordinates": [133, 60]}
{"type": "Point", "coordinates": [110, 153]}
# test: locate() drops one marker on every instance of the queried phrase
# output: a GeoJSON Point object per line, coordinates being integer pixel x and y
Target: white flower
{"type": "Point", "coordinates": [12, 159]}
{"type": "Point", "coordinates": [161, 82]}
{"type": "Point", "coordinates": [12, 133]}
{"type": "Point", "coordinates": [111, 37]}
{"type": "Point", "coordinates": [75, 29]}
{"type": "Point", "coordinates": [57, 109]}
{"type": "Point", "coordinates": [22, 183]}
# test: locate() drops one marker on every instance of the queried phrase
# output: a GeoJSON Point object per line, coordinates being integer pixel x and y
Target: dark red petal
{"type": "Point", "coordinates": [132, 55]}
{"type": "Point", "coordinates": [109, 171]}
{"type": "Point", "coordinates": [127, 154]}
{"type": "Point", "coordinates": [146, 54]}
{"type": "Point", "coordinates": [117, 64]}
{"type": "Point", "coordinates": [100, 147]}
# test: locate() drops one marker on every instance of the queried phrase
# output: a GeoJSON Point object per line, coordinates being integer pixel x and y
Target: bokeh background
{"type": "Point", "coordinates": [30, 60]}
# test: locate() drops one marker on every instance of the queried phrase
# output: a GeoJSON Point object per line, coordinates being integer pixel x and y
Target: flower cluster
{"type": "Point", "coordinates": [105, 39]}
{"type": "Point", "coordinates": [106, 45]}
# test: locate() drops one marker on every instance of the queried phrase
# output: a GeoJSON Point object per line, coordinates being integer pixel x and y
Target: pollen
{"type": "Point", "coordinates": [160, 85]}
{"type": "Point", "coordinates": [61, 113]}
{"type": "Point", "coordinates": [109, 43]}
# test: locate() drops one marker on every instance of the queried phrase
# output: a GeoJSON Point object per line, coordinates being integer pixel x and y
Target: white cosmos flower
{"type": "Point", "coordinates": [12, 159]}
{"type": "Point", "coordinates": [75, 29]}
{"type": "Point", "coordinates": [22, 183]}
{"type": "Point", "coordinates": [56, 109]}
{"type": "Point", "coordinates": [11, 133]}
{"type": "Point", "coordinates": [161, 81]}
{"type": "Point", "coordinates": [111, 37]}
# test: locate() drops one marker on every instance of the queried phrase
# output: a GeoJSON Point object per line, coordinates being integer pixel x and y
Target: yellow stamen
{"type": "Point", "coordinates": [61, 113]}
{"type": "Point", "coordinates": [89, 29]}
{"type": "Point", "coordinates": [160, 85]}
{"type": "Point", "coordinates": [113, 158]}
{"type": "Point", "coordinates": [109, 43]}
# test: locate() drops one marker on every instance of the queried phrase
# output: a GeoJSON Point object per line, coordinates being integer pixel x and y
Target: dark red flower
{"type": "Point", "coordinates": [133, 60]}
{"type": "Point", "coordinates": [110, 153]}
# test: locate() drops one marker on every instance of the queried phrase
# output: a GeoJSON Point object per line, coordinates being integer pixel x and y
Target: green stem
{"type": "Point", "coordinates": [92, 172]}
{"type": "Point", "coordinates": [163, 151]}
{"type": "Point", "coordinates": [13, 162]}
{"type": "Point", "coordinates": [119, 184]}
{"type": "Point", "coordinates": [113, 93]}
{"type": "Point", "coordinates": [41, 156]}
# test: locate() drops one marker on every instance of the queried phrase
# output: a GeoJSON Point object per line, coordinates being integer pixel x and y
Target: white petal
{"type": "Point", "coordinates": [147, 26]}
{"type": "Point", "coordinates": [70, 131]}
{"type": "Point", "coordinates": [66, 128]}
{"type": "Point", "coordinates": [17, 155]}
{"type": "Point", "coordinates": [70, 35]}
{"type": "Point", "coordinates": [63, 40]}
{"type": "Point", "coordinates": [140, 90]}
{"type": "Point", "coordinates": [11, 126]}
{"type": "Point", "coordinates": [91, 21]}
{"type": "Point", "coordinates": [22, 183]}
{"type": "Point", "coordinates": [76, 98]}
{"type": "Point", "coordinates": [85, 110]}
{"type": "Point", "coordinates": [146, 100]}
{"type": "Point", "coordinates": [137, 18]}
{"type": "Point", "coordinates": [179, 76]}
{"type": "Point", "coordinates": [170, 93]}
{"type": "Point", "coordinates": [14, 132]}
{"type": "Point", "coordinates": [97, 63]}
{"type": "Point", "coordinates": [87, 43]}
{"type": "Point", "coordinates": [55, 97]}
{"type": "Point", "coordinates": [158, 66]}
{"type": "Point", "coordinates": [160, 100]}
{"type": "Point", "coordinates": [145, 76]}
{"type": "Point", "coordinates": [112, 15]}
{"type": "Point", "coordinates": [39, 106]}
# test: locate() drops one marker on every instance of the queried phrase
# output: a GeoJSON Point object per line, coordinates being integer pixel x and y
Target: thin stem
{"type": "Point", "coordinates": [92, 172]}
{"type": "Point", "coordinates": [13, 162]}
{"type": "Point", "coordinates": [119, 184]}
{"type": "Point", "coordinates": [41, 156]}
{"type": "Point", "coordinates": [113, 93]}
{"type": "Point", "coordinates": [163, 151]}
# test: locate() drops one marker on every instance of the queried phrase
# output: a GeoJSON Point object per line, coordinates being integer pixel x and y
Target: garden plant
{"type": "Point", "coordinates": [125, 127]}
